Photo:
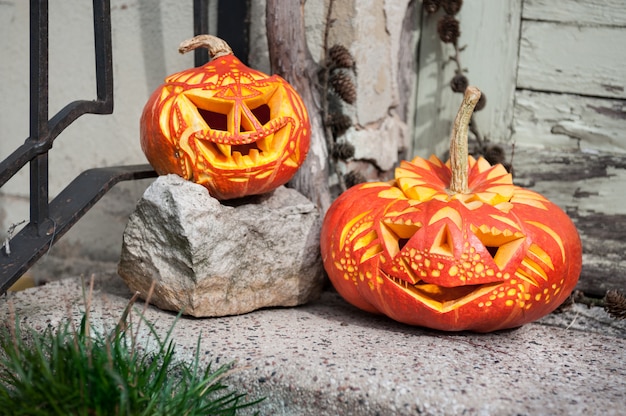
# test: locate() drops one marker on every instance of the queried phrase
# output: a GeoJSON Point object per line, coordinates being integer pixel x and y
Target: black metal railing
{"type": "Point", "coordinates": [51, 220]}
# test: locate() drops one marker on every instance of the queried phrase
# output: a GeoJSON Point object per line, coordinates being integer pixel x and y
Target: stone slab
{"type": "Point", "coordinates": [328, 358]}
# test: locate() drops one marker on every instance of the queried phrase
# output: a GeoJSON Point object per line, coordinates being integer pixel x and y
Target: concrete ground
{"type": "Point", "coordinates": [328, 358]}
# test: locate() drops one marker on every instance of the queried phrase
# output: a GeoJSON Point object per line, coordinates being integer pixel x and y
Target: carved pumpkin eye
{"type": "Point", "coordinates": [228, 127]}
{"type": "Point", "coordinates": [486, 257]}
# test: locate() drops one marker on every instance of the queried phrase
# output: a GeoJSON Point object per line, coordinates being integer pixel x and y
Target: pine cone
{"type": "Point", "coordinates": [431, 6]}
{"type": "Point", "coordinates": [495, 154]}
{"type": "Point", "coordinates": [448, 29]}
{"type": "Point", "coordinates": [615, 304]}
{"type": "Point", "coordinates": [482, 102]}
{"type": "Point", "coordinates": [343, 151]}
{"type": "Point", "coordinates": [339, 123]}
{"type": "Point", "coordinates": [343, 86]}
{"type": "Point", "coordinates": [353, 178]}
{"type": "Point", "coordinates": [459, 83]}
{"type": "Point", "coordinates": [341, 57]}
{"type": "Point", "coordinates": [451, 7]}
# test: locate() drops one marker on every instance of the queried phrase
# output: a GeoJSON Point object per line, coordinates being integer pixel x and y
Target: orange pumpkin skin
{"type": "Point", "coordinates": [495, 258]}
{"type": "Point", "coordinates": [235, 130]}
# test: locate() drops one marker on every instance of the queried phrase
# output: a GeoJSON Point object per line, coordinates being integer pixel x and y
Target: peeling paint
{"type": "Point", "coordinates": [589, 187]}
{"type": "Point", "coordinates": [613, 112]}
{"type": "Point", "coordinates": [612, 88]}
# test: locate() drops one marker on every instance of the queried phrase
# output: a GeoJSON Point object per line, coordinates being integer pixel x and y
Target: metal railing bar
{"type": "Point", "coordinates": [43, 132]}
{"type": "Point", "coordinates": [232, 18]}
{"type": "Point", "coordinates": [200, 27]}
{"type": "Point", "coordinates": [104, 56]}
{"type": "Point", "coordinates": [20, 157]}
{"type": "Point", "coordinates": [39, 208]}
{"type": "Point", "coordinates": [38, 70]}
{"type": "Point", "coordinates": [66, 209]}
{"type": "Point", "coordinates": [39, 111]}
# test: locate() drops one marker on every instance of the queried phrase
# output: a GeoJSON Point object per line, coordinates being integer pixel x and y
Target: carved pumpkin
{"type": "Point", "coordinates": [233, 129]}
{"type": "Point", "coordinates": [486, 256]}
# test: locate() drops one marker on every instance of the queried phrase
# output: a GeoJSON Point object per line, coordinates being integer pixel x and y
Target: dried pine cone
{"type": "Point", "coordinates": [448, 29]}
{"type": "Point", "coordinates": [343, 86]}
{"type": "Point", "coordinates": [482, 102]}
{"type": "Point", "coordinates": [343, 151]}
{"type": "Point", "coordinates": [339, 123]}
{"type": "Point", "coordinates": [431, 6]}
{"type": "Point", "coordinates": [341, 57]}
{"type": "Point", "coordinates": [353, 178]}
{"type": "Point", "coordinates": [615, 304]}
{"type": "Point", "coordinates": [451, 7]}
{"type": "Point", "coordinates": [494, 154]}
{"type": "Point", "coordinates": [459, 83]}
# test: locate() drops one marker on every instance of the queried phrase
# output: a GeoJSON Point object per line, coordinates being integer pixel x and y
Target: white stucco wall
{"type": "Point", "coordinates": [145, 36]}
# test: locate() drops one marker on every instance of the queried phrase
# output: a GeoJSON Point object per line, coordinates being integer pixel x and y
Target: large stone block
{"type": "Point", "coordinates": [212, 259]}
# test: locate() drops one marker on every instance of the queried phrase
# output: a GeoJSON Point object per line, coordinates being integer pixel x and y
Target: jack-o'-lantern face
{"type": "Point", "coordinates": [230, 128]}
{"type": "Point", "coordinates": [496, 257]}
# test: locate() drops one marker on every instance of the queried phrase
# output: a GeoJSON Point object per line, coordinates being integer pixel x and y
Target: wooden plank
{"type": "Point", "coordinates": [490, 32]}
{"type": "Point", "coordinates": [572, 59]}
{"type": "Point", "coordinates": [582, 12]}
{"type": "Point", "coordinates": [590, 188]}
{"type": "Point", "coordinates": [569, 121]}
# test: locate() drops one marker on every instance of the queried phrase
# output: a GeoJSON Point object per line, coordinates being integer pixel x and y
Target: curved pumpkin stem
{"type": "Point", "coordinates": [217, 47]}
{"type": "Point", "coordinates": [458, 141]}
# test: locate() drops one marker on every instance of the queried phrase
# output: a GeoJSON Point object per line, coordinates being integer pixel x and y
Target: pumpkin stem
{"type": "Point", "coordinates": [458, 141]}
{"type": "Point", "coordinates": [217, 47]}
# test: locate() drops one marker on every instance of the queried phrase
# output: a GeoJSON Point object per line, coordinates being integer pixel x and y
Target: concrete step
{"type": "Point", "coordinates": [328, 358]}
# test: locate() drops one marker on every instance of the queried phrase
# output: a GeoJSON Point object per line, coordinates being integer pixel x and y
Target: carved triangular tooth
{"type": "Point", "coordinates": [238, 158]}
{"type": "Point", "coordinates": [247, 161]}
{"type": "Point", "coordinates": [254, 155]}
{"type": "Point", "coordinates": [265, 143]}
{"type": "Point", "coordinates": [224, 148]}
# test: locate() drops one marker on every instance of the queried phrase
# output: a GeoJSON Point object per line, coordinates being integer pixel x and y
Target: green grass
{"type": "Point", "coordinates": [77, 371]}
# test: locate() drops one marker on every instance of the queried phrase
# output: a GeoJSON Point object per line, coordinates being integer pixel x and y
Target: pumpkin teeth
{"type": "Point", "coordinates": [224, 148]}
{"type": "Point", "coordinates": [440, 298]}
{"type": "Point", "coordinates": [265, 144]}
{"type": "Point", "coordinates": [238, 159]}
{"type": "Point", "coordinates": [254, 155]}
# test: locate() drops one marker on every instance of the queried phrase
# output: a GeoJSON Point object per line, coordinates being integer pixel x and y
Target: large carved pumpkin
{"type": "Point", "coordinates": [486, 256]}
{"type": "Point", "coordinates": [233, 129]}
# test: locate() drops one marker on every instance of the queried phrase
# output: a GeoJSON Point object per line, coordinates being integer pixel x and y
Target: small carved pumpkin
{"type": "Point", "coordinates": [448, 251]}
{"type": "Point", "coordinates": [233, 129]}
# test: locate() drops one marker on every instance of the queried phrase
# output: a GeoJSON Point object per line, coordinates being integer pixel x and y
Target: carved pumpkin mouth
{"type": "Point", "coordinates": [442, 299]}
{"type": "Point", "coordinates": [440, 276]}
{"type": "Point", "coordinates": [241, 133]}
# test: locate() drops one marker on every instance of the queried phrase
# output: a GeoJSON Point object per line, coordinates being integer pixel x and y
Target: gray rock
{"type": "Point", "coordinates": [211, 259]}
